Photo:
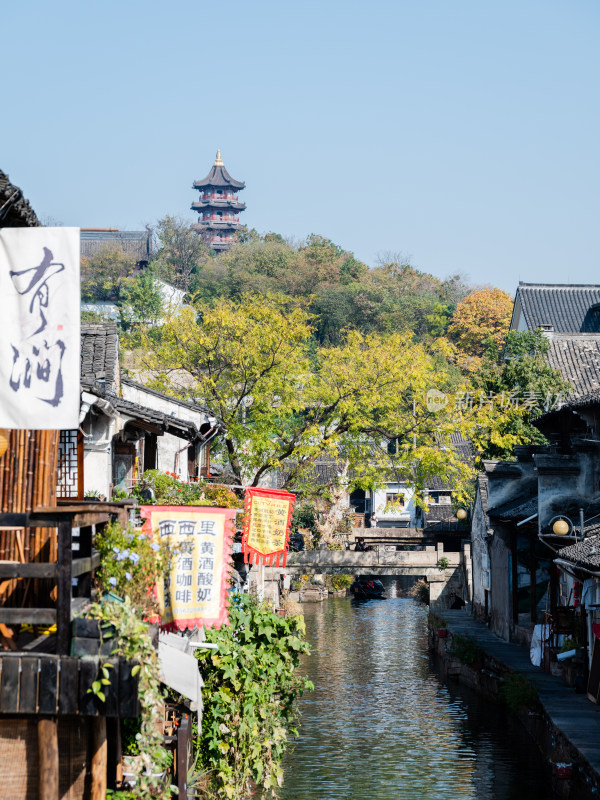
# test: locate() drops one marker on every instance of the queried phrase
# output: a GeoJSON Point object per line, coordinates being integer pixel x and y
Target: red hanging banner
{"type": "Point", "coordinates": [267, 523]}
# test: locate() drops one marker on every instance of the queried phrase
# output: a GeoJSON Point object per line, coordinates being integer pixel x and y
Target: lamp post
{"type": "Point", "coordinates": [461, 514]}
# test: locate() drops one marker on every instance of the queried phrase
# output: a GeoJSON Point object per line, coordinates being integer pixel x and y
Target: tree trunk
{"type": "Point", "coordinates": [335, 513]}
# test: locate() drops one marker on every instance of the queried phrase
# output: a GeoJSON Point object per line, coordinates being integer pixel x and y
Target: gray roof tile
{"type": "Point", "coordinates": [16, 210]}
{"type": "Point", "coordinates": [585, 553]}
{"type": "Point", "coordinates": [136, 244]}
{"type": "Point", "coordinates": [568, 308]}
{"type": "Point", "coordinates": [218, 176]}
{"type": "Point", "coordinates": [577, 358]}
{"type": "Point", "coordinates": [99, 355]}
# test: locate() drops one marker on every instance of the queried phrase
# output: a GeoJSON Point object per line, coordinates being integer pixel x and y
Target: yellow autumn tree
{"type": "Point", "coordinates": [281, 403]}
{"type": "Point", "coordinates": [481, 322]}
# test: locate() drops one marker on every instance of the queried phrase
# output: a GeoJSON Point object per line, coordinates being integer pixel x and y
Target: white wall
{"type": "Point", "coordinates": [480, 556]}
{"type": "Point", "coordinates": [167, 460]}
{"type": "Point", "coordinates": [97, 453]}
{"type": "Point", "coordinates": [404, 515]}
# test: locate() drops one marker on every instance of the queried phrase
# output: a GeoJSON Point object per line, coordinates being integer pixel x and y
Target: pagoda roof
{"type": "Point", "coordinates": [214, 203]}
{"type": "Point", "coordinates": [219, 177]}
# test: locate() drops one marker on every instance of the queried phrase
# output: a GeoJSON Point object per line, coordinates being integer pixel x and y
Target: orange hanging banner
{"type": "Point", "coordinates": [268, 519]}
{"type": "Point", "coordinates": [193, 592]}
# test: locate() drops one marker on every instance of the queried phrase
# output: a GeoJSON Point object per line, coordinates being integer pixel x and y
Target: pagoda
{"type": "Point", "coordinates": [218, 206]}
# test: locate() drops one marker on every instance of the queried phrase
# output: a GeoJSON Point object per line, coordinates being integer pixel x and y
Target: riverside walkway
{"type": "Point", "coordinates": [576, 717]}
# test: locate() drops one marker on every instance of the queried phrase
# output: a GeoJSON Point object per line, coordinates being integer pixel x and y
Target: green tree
{"type": "Point", "coordinates": [141, 301]}
{"type": "Point", "coordinates": [282, 404]}
{"type": "Point", "coordinates": [181, 253]}
{"type": "Point", "coordinates": [521, 382]}
{"type": "Point", "coordinates": [104, 275]}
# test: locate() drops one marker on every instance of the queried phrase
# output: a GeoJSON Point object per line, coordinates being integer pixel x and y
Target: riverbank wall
{"type": "Point", "coordinates": [564, 725]}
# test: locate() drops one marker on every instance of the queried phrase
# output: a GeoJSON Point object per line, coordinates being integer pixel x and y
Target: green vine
{"type": "Point", "coordinates": [250, 684]}
{"type": "Point", "coordinates": [133, 643]}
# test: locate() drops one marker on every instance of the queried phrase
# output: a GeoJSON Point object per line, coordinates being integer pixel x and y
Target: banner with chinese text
{"type": "Point", "coordinates": [267, 521]}
{"type": "Point", "coordinates": [40, 313]}
{"type": "Point", "coordinates": [194, 591]}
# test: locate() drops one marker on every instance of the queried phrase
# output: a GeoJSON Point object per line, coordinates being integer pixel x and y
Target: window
{"type": "Point", "coordinates": [70, 465]}
{"type": "Point", "coordinates": [394, 499]}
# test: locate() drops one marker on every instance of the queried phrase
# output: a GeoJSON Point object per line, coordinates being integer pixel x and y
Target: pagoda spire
{"type": "Point", "coordinates": [218, 206]}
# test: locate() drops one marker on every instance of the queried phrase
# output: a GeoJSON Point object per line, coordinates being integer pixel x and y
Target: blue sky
{"type": "Point", "coordinates": [463, 134]}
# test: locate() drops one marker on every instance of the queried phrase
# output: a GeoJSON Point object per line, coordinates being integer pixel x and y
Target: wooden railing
{"type": "Point", "coordinates": [63, 570]}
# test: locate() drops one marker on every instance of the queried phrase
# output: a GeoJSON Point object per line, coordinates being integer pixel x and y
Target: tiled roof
{"type": "Point", "coordinates": [179, 427]}
{"type": "Point", "coordinates": [519, 509]}
{"type": "Point", "coordinates": [438, 512]}
{"type": "Point", "coordinates": [482, 482]}
{"type": "Point", "coordinates": [185, 403]}
{"type": "Point", "coordinates": [99, 355]}
{"type": "Point", "coordinates": [577, 358]}
{"type": "Point", "coordinates": [218, 176]}
{"type": "Point", "coordinates": [137, 244]}
{"type": "Point", "coordinates": [585, 553]}
{"type": "Point", "coordinates": [16, 210]}
{"type": "Point", "coordinates": [465, 453]}
{"type": "Point", "coordinates": [568, 308]}
{"type": "Point", "coordinates": [573, 404]}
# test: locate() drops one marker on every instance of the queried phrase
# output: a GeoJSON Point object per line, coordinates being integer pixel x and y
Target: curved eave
{"type": "Point", "coordinates": [213, 225]}
{"type": "Point", "coordinates": [205, 205]}
{"type": "Point", "coordinates": [218, 177]}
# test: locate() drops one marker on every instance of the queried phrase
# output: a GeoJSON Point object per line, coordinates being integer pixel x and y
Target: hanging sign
{"type": "Point", "coordinates": [194, 590]}
{"type": "Point", "coordinates": [268, 517]}
{"type": "Point", "coordinates": [39, 346]}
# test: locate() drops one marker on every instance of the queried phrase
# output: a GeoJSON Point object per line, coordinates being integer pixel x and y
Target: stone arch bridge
{"type": "Point", "coordinates": [453, 576]}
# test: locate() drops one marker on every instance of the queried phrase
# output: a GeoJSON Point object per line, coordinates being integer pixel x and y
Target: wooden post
{"type": "Point", "coordinates": [115, 758]}
{"type": "Point", "coordinates": [64, 585]}
{"type": "Point", "coordinates": [183, 756]}
{"type": "Point", "coordinates": [99, 759]}
{"type": "Point", "coordinates": [532, 579]}
{"type": "Point", "coordinates": [47, 732]}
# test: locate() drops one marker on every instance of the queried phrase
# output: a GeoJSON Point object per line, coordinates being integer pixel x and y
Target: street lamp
{"type": "Point", "coordinates": [461, 514]}
{"type": "Point", "coordinates": [561, 527]}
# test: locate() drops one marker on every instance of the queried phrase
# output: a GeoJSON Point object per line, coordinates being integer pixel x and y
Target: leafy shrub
{"type": "Point", "coordinates": [339, 582]}
{"type": "Point", "coordinates": [517, 692]}
{"type": "Point", "coordinates": [305, 516]}
{"type": "Point", "coordinates": [251, 685]}
{"type": "Point", "coordinates": [130, 564]}
{"type": "Point", "coordinates": [466, 649]}
{"type": "Point", "coordinates": [171, 491]}
{"type": "Point", "coordinates": [420, 591]}
{"type": "Point", "coordinates": [435, 623]}
{"type": "Point", "coordinates": [443, 563]}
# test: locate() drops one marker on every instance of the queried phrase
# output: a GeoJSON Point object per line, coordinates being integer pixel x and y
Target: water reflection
{"type": "Point", "coordinates": [380, 724]}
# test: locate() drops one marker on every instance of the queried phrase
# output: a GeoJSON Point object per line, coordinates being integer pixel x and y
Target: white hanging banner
{"type": "Point", "coordinates": [39, 324]}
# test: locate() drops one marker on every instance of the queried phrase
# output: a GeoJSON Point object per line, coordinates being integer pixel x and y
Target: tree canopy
{"type": "Point", "coordinates": [282, 404]}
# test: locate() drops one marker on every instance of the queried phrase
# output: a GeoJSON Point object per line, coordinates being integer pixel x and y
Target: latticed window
{"type": "Point", "coordinates": [70, 466]}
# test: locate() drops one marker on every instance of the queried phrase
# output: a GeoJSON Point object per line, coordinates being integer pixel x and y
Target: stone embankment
{"type": "Point", "coordinates": [565, 725]}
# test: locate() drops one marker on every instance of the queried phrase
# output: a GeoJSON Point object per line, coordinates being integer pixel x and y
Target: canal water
{"type": "Point", "coordinates": [381, 725]}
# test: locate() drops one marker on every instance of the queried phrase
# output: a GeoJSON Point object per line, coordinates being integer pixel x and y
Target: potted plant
{"type": "Point", "coordinates": [437, 624]}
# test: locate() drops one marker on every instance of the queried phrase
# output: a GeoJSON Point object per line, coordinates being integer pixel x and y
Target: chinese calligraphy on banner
{"type": "Point", "coordinates": [267, 525]}
{"type": "Point", "coordinates": [39, 346]}
{"type": "Point", "coordinates": [194, 591]}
